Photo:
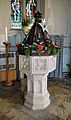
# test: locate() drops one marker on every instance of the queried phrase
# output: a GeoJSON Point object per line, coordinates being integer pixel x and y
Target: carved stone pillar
{"type": "Point", "coordinates": [37, 69]}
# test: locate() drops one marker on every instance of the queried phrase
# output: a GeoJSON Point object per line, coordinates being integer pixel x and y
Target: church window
{"type": "Point", "coordinates": [16, 14]}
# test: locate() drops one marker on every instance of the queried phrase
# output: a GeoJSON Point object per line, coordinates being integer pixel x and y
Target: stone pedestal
{"type": "Point", "coordinates": [37, 69]}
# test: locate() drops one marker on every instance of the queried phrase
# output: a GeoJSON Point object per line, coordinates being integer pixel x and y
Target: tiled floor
{"type": "Point", "coordinates": [12, 108]}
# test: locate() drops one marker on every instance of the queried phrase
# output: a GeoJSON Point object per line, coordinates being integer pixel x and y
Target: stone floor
{"type": "Point", "coordinates": [12, 108]}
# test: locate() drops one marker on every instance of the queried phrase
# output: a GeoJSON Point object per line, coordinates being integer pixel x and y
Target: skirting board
{"type": "Point", "coordinates": [11, 75]}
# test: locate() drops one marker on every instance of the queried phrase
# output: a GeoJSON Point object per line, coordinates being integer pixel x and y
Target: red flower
{"type": "Point", "coordinates": [56, 45]}
{"type": "Point", "coordinates": [18, 45]}
{"type": "Point", "coordinates": [40, 47]}
{"type": "Point", "coordinates": [53, 44]}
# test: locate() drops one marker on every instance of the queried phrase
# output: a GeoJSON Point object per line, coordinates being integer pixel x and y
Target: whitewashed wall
{"type": "Point", "coordinates": [58, 16]}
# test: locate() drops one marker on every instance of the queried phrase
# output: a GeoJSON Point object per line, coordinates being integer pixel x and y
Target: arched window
{"type": "Point", "coordinates": [31, 6]}
{"type": "Point", "coordinates": [16, 14]}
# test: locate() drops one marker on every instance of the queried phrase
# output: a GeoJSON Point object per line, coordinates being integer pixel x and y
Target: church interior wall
{"type": "Point", "coordinates": [56, 13]}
